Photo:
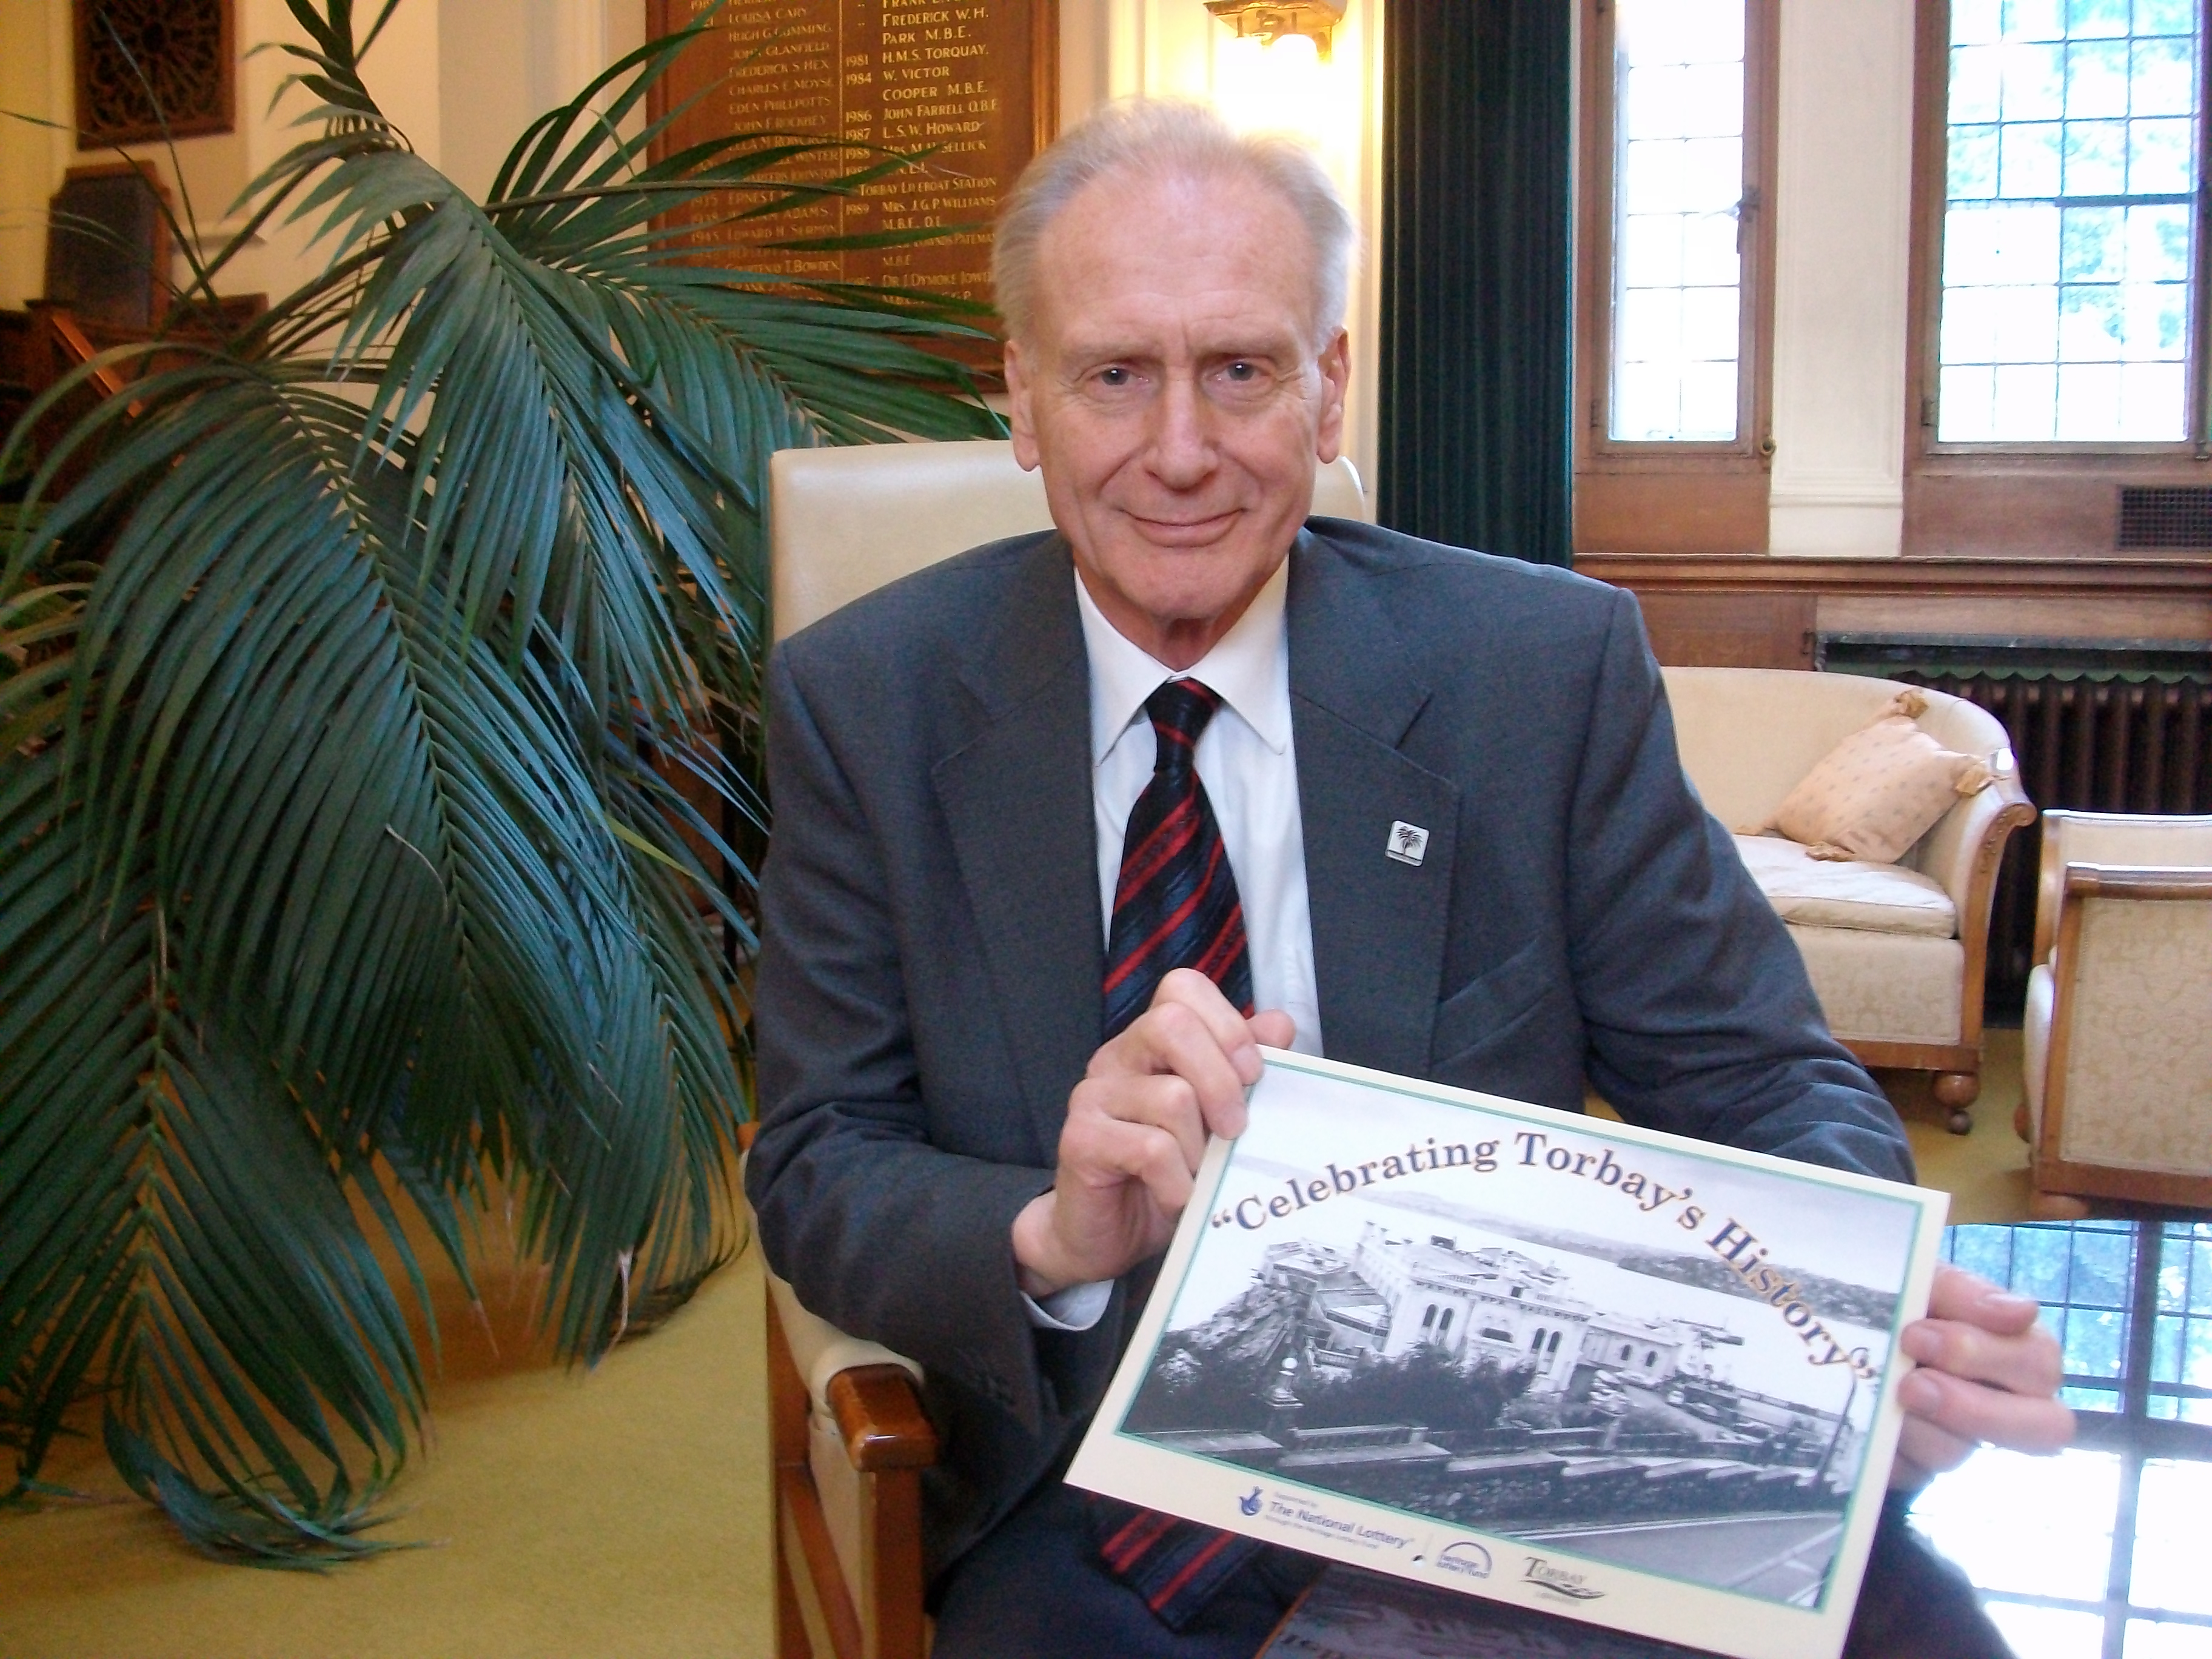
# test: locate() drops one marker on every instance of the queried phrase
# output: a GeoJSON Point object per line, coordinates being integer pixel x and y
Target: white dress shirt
{"type": "Point", "coordinates": [1248, 766]}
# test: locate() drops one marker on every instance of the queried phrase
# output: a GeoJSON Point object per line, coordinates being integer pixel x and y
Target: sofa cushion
{"type": "Point", "coordinates": [1879, 790]}
{"type": "Point", "coordinates": [1881, 898]}
{"type": "Point", "coordinates": [1885, 987]}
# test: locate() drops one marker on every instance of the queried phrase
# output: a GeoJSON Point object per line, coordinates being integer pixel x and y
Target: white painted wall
{"type": "Point", "coordinates": [1173, 48]}
{"type": "Point", "coordinates": [503, 63]}
{"type": "Point", "coordinates": [1842, 231]}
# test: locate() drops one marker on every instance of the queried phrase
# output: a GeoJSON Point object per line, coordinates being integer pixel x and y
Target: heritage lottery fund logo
{"type": "Point", "coordinates": [1468, 1559]}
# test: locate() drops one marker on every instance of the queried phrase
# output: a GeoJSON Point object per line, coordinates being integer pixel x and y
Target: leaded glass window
{"type": "Point", "coordinates": [2068, 233]}
{"type": "Point", "coordinates": [1677, 212]}
{"type": "Point", "coordinates": [2098, 1552]}
{"type": "Point", "coordinates": [2181, 1349]}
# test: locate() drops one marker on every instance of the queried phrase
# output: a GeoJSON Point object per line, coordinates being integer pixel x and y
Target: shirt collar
{"type": "Point", "coordinates": [1249, 668]}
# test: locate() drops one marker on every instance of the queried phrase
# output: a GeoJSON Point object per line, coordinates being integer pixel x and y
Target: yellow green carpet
{"type": "Point", "coordinates": [1984, 1172]}
{"type": "Point", "coordinates": [620, 1513]}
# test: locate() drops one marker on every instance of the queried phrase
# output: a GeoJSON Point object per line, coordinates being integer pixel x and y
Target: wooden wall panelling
{"type": "Point", "coordinates": [1751, 612]}
{"type": "Point", "coordinates": [1659, 511]}
{"type": "Point", "coordinates": [1730, 630]}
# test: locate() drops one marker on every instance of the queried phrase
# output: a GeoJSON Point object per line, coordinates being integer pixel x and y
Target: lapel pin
{"type": "Point", "coordinates": [1408, 842]}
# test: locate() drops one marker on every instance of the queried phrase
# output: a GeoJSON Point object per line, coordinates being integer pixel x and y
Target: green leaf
{"type": "Point", "coordinates": [379, 782]}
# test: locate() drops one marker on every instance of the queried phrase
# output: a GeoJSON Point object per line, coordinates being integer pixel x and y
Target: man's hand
{"type": "Point", "coordinates": [1137, 1127]}
{"type": "Point", "coordinates": [1987, 1372]}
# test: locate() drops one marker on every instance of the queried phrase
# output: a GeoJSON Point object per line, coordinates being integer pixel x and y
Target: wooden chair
{"type": "Point", "coordinates": [2118, 1030]}
{"type": "Point", "coordinates": [849, 1433]}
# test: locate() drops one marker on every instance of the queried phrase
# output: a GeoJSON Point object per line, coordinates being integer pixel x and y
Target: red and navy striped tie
{"type": "Point", "coordinates": [1176, 906]}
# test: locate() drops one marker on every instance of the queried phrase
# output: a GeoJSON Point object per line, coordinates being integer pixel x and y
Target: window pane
{"type": "Point", "coordinates": [2037, 1526]}
{"type": "Point", "coordinates": [1678, 296]}
{"type": "Point", "coordinates": [2069, 235]}
{"type": "Point", "coordinates": [2169, 1561]}
{"type": "Point", "coordinates": [2146, 1640]}
{"type": "Point", "coordinates": [2081, 1272]}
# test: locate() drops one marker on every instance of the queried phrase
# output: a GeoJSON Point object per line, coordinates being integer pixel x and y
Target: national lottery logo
{"type": "Point", "coordinates": [1250, 1502]}
{"type": "Point", "coordinates": [1466, 1559]}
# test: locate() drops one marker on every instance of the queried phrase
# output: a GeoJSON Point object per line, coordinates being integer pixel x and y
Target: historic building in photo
{"type": "Point", "coordinates": [1646, 1351]}
{"type": "Point", "coordinates": [1394, 1294]}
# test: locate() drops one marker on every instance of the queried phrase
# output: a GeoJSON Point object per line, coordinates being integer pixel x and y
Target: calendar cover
{"type": "Point", "coordinates": [1627, 1378]}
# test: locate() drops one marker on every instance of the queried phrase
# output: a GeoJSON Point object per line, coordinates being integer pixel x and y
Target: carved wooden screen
{"type": "Point", "coordinates": [145, 68]}
{"type": "Point", "coordinates": [976, 83]}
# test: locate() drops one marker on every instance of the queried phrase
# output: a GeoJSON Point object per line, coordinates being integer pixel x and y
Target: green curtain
{"type": "Point", "coordinates": [1477, 275]}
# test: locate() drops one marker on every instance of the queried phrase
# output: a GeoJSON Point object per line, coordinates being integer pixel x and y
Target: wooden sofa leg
{"type": "Point", "coordinates": [1958, 1090]}
{"type": "Point", "coordinates": [2056, 1206]}
{"type": "Point", "coordinates": [2022, 1124]}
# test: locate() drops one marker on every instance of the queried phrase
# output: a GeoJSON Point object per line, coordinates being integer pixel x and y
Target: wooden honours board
{"type": "Point", "coordinates": [977, 83]}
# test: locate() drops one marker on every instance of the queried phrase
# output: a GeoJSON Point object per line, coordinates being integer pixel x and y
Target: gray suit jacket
{"type": "Point", "coordinates": [931, 944]}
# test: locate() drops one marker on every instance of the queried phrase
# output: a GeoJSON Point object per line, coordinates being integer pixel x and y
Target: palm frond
{"type": "Point", "coordinates": [378, 714]}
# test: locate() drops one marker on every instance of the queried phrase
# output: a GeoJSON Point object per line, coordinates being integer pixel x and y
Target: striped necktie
{"type": "Point", "coordinates": [1174, 906]}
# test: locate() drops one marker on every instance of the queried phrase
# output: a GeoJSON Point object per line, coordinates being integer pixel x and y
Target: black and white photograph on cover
{"type": "Point", "coordinates": [1605, 1350]}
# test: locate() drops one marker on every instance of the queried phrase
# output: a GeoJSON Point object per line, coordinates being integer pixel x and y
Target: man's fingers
{"type": "Point", "coordinates": [1115, 1147]}
{"type": "Point", "coordinates": [1165, 1101]}
{"type": "Point", "coordinates": [1275, 1027]}
{"type": "Point", "coordinates": [1971, 1299]}
{"type": "Point", "coordinates": [2026, 1364]}
{"type": "Point", "coordinates": [1190, 1031]}
{"type": "Point", "coordinates": [1186, 988]}
{"type": "Point", "coordinates": [1972, 1412]}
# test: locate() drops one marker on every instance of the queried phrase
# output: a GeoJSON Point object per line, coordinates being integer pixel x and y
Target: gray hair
{"type": "Point", "coordinates": [1168, 139]}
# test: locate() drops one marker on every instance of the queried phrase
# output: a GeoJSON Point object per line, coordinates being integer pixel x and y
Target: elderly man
{"type": "Point", "coordinates": [1067, 827]}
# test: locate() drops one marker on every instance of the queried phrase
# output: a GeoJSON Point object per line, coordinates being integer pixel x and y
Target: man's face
{"type": "Point", "coordinates": [1171, 392]}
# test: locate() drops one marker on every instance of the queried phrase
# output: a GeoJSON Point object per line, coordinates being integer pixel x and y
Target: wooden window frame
{"type": "Point", "coordinates": [2048, 499]}
{"type": "Point", "coordinates": [1661, 496]}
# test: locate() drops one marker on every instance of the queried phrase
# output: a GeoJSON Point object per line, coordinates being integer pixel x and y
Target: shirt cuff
{"type": "Point", "coordinates": [1078, 1308]}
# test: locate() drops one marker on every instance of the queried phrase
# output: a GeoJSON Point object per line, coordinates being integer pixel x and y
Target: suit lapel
{"type": "Point", "coordinates": [1378, 924]}
{"type": "Point", "coordinates": [1017, 799]}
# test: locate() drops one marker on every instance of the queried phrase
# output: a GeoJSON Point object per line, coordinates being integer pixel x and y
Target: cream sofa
{"type": "Point", "coordinates": [1897, 952]}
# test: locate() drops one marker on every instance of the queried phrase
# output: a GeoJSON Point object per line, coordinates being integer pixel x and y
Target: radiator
{"type": "Point", "coordinates": [2103, 738]}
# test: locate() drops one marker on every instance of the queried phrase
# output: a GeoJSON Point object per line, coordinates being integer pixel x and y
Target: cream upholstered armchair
{"type": "Point", "coordinates": [2118, 1023]}
{"type": "Point", "coordinates": [1897, 953]}
{"type": "Point", "coordinates": [850, 1439]}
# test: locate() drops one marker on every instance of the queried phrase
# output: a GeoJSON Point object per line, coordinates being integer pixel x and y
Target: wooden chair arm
{"type": "Point", "coordinates": [880, 1418]}
{"type": "Point", "coordinates": [2015, 812]}
{"type": "Point", "coordinates": [2138, 881]}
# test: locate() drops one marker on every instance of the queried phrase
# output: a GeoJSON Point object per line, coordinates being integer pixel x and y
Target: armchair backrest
{"type": "Point", "coordinates": [844, 521]}
{"type": "Point", "coordinates": [2128, 1070]}
{"type": "Point", "coordinates": [2135, 839]}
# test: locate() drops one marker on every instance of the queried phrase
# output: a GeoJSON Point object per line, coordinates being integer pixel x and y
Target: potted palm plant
{"type": "Point", "coordinates": [370, 674]}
